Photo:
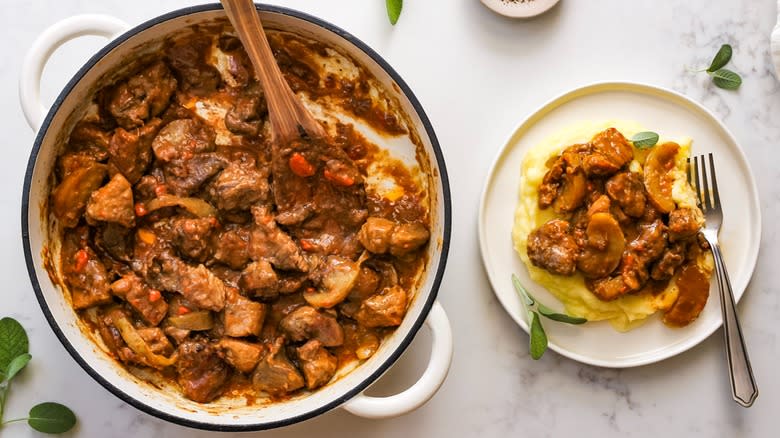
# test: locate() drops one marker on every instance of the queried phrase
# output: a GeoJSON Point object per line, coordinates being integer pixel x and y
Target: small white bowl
{"type": "Point", "coordinates": [519, 8]}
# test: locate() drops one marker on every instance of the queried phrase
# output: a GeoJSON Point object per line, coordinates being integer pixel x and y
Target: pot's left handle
{"type": "Point", "coordinates": [419, 393]}
{"type": "Point", "coordinates": [43, 47]}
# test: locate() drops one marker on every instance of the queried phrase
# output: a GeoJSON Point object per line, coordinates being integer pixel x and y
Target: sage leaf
{"type": "Point", "coordinates": [721, 58]}
{"type": "Point", "coordinates": [51, 417]}
{"type": "Point", "coordinates": [394, 10]}
{"type": "Point", "coordinates": [538, 343]}
{"type": "Point", "coordinates": [529, 301]}
{"type": "Point", "coordinates": [560, 317]}
{"type": "Point", "coordinates": [726, 79]}
{"type": "Point", "coordinates": [645, 139]}
{"type": "Point", "coordinates": [16, 365]}
{"type": "Point", "coordinates": [13, 342]}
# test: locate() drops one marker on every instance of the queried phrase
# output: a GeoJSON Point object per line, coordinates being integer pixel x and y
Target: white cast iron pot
{"type": "Point", "coordinates": [52, 128]}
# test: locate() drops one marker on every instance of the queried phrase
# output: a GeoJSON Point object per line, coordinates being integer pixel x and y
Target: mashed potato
{"type": "Point", "coordinates": [628, 311]}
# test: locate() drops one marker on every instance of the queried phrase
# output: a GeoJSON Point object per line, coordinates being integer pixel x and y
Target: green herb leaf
{"type": "Point", "coordinates": [560, 317]}
{"type": "Point", "coordinates": [51, 417]}
{"type": "Point", "coordinates": [726, 79]}
{"type": "Point", "coordinates": [13, 342]}
{"type": "Point", "coordinates": [538, 338]}
{"type": "Point", "coordinates": [721, 58]}
{"type": "Point", "coordinates": [394, 10]}
{"type": "Point", "coordinates": [644, 140]}
{"type": "Point", "coordinates": [16, 365]}
{"type": "Point", "coordinates": [529, 301]}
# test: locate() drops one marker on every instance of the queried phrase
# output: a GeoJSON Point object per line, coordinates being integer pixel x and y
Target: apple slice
{"type": "Point", "coordinates": [658, 176]}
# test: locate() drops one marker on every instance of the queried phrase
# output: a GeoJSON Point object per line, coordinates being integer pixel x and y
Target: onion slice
{"type": "Point", "coordinates": [138, 345]}
{"type": "Point", "coordinates": [200, 320]}
{"type": "Point", "coordinates": [196, 206]}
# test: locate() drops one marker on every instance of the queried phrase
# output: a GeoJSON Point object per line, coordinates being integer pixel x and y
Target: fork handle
{"type": "Point", "coordinates": [743, 383]}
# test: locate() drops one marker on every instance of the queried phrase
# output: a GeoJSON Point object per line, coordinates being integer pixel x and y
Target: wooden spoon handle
{"type": "Point", "coordinates": [286, 112]}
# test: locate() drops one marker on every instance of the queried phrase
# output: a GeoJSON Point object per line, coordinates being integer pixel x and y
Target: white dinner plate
{"type": "Point", "coordinates": [664, 111]}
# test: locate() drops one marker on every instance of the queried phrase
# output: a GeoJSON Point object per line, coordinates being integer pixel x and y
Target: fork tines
{"type": "Point", "coordinates": [698, 178]}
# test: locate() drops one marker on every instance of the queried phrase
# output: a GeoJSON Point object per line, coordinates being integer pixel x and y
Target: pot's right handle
{"type": "Point", "coordinates": [419, 393]}
{"type": "Point", "coordinates": [43, 47]}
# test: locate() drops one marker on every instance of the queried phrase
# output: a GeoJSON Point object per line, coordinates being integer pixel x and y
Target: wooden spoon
{"type": "Point", "coordinates": [289, 118]}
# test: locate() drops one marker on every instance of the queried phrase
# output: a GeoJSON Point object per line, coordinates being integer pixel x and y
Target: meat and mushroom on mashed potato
{"type": "Point", "coordinates": [612, 230]}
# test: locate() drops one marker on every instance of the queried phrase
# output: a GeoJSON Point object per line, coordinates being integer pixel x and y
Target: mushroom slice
{"type": "Point", "coordinates": [572, 193]}
{"type": "Point", "coordinates": [604, 246]}
{"type": "Point", "coordinates": [338, 275]}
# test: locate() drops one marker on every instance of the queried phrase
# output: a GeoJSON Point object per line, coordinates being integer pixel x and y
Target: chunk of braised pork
{"type": "Point", "coordinates": [259, 278]}
{"type": "Point", "coordinates": [375, 234]}
{"type": "Point", "coordinates": [274, 373]}
{"type": "Point", "coordinates": [642, 251]}
{"type": "Point", "coordinates": [269, 242]}
{"type": "Point", "coordinates": [684, 223]}
{"type": "Point", "coordinates": [85, 275]}
{"type": "Point", "coordinates": [201, 372]}
{"type": "Point", "coordinates": [407, 238]}
{"type": "Point", "coordinates": [183, 147]}
{"type": "Point", "coordinates": [197, 284]}
{"type": "Point", "coordinates": [70, 162]}
{"type": "Point", "coordinates": [610, 152]}
{"type": "Point", "coordinates": [367, 283]}
{"type": "Point", "coordinates": [202, 288]}
{"type": "Point", "coordinates": [672, 258]}
{"type": "Point", "coordinates": [189, 61]}
{"type": "Point", "coordinates": [553, 247]}
{"type": "Point", "coordinates": [178, 335]}
{"type": "Point", "coordinates": [379, 235]}
{"type": "Point", "coordinates": [156, 340]}
{"type": "Point", "coordinates": [91, 139]}
{"type": "Point", "coordinates": [115, 240]}
{"type": "Point", "coordinates": [607, 288]}
{"type": "Point", "coordinates": [232, 246]}
{"type": "Point", "coordinates": [130, 151]}
{"type": "Point", "coordinates": [627, 190]}
{"type": "Point", "coordinates": [317, 363]}
{"type": "Point", "coordinates": [290, 282]}
{"type": "Point", "coordinates": [241, 355]}
{"type": "Point", "coordinates": [148, 302]}
{"type": "Point", "coordinates": [238, 187]}
{"type": "Point", "coordinates": [242, 316]}
{"type": "Point", "coordinates": [112, 203]}
{"type": "Point", "coordinates": [383, 309]}
{"type": "Point", "coordinates": [142, 96]}
{"type": "Point", "coordinates": [551, 182]}
{"type": "Point", "coordinates": [186, 177]}
{"type": "Point", "coordinates": [181, 139]}
{"type": "Point", "coordinates": [192, 237]}
{"type": "Point", "coordinates": [306, 323]}
{"type": "Point", "coordinates": [246, 115]}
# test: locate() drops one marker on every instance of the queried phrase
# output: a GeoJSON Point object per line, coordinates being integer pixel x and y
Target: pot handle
{"type": "Point", "coordinates": [43, 47]}
{"type": "Point", "coordinates": [419, 393]}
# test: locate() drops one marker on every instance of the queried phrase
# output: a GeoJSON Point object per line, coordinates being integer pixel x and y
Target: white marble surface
{"type": "Point", "coordinates": [477, 75]}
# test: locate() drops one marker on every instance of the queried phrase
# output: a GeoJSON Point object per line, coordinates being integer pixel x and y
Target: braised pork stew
{"type": "Point", "coordinates": [228, 263]}
{"type": "Point", "coordinates": [620, 228]}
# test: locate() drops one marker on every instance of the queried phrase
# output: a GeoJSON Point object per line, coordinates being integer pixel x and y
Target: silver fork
{"type": "Point", "coordinates": [743, 384]}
